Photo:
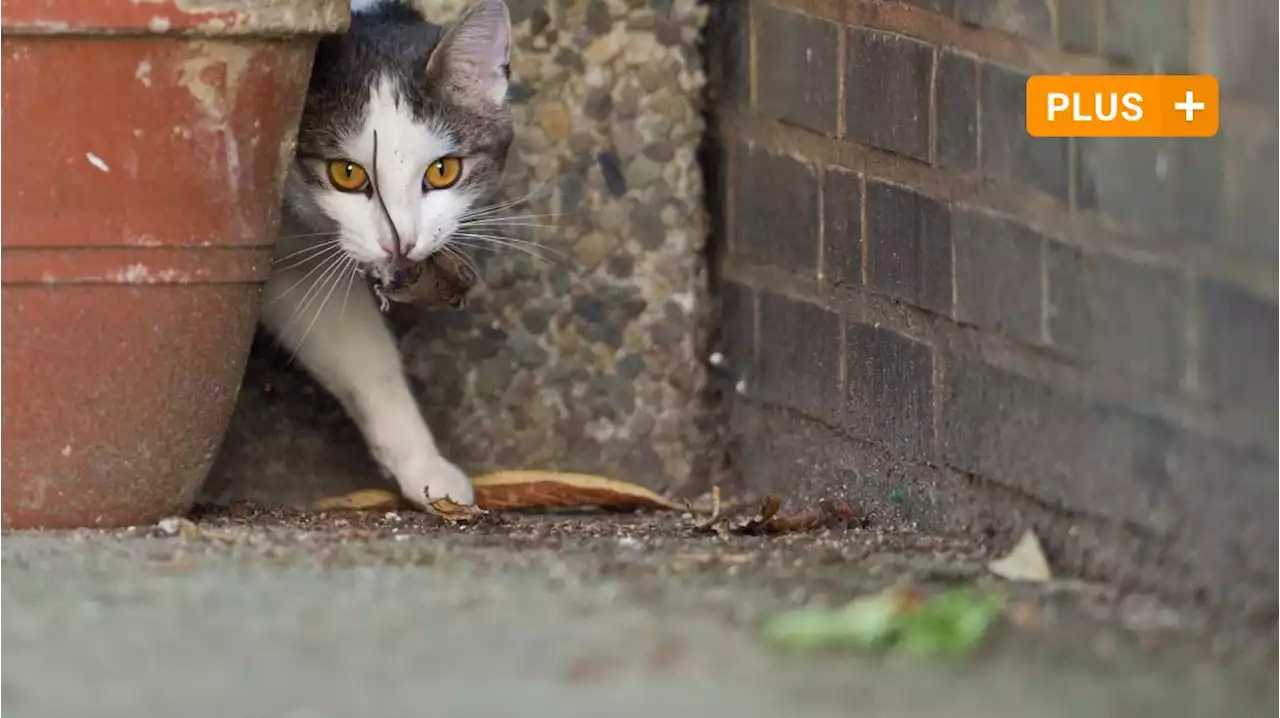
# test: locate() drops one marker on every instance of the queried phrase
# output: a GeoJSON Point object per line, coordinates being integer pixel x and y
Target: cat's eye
{"type": "Point", "coordinates": [442, 174]}
{"type": "Point", "coordinates": [347, 176]}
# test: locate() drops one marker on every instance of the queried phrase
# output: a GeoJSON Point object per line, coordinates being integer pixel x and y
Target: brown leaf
{"type": "Point", "coordinates": [506, 490]}
{"type": "Point", "coordinates": [825, 515]}
{"type": "Point", "coordinates": [828, 515]}
{"type": "Point", "coordinates": [756, 524]}
{"type": "Point", "coordinates": [454, 512]}
{"type": "Point", "coordinates": [709, 523]}
{"type": "Point", "coordinates": [362, 500]}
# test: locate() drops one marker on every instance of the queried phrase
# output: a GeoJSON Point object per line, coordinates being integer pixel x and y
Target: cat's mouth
{"type": "Point", "coordinates": [442, 278]}
{"type": "Point", "coordinates": [394, 281]}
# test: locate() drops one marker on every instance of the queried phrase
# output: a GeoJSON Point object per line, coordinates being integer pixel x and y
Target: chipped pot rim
{"type": "Point", "coordinates": [199, 18]}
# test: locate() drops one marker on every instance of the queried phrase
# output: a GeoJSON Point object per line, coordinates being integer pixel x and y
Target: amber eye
{"type": "Point", "coordinates": [347, 176]}
{"type": "Point", "coordinates": [443, 173]}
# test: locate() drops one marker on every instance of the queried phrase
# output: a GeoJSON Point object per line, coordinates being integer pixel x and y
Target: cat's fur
{"type": "Point", "coordinates": [427, 92]}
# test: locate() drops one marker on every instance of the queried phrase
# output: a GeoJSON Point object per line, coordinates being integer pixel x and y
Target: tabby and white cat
{"type": "Point", "coordinates": [403, 140]}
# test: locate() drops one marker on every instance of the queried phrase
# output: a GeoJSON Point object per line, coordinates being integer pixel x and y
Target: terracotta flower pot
{"type": "Point", "coordinates": [144, 150]}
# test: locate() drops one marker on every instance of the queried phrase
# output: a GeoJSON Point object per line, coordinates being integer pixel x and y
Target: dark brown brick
{"type": "Point", "coordinates": [1241, 49]}
{"type": "Point", "coordinates": [1238, 339]}
{"type": "Point", "coordinates": [1127, 318]}
{"type": "Point", "coordinates": [908, 239]}
{"type": "Point", "coordinates": [775, 209]}
{"type": "Point", "coordinates": [1078, 25]}
{"type": "Point", "coordinates": [735, 330]}
{"type": "Point", "coordinates": [1151, 34]}
{"type": "Point", "coordinates": [797, 69]}
{"type": "Point", "coordinates": [957, 102]}
{"type": "Point", "coordinates": [729, 53]}
{"type": "Point", "coordinates": [997, 274]}
{"type": "Point", "coordinates": [1155, 185]}
{"type": "Point", "coordinates": [1224, 503]}
{"type": "Point", "coordinates": [1064, 449]}
{"type": "Point", "coordinates": [800, 359]}
{"type": "Point", "coordinates": [942, 7]}
{"type": "Point", "coordinates": [1028, 18]}
{"type": "Point", "coordinates": [842, 226]}
{"type": "Point", "coordinates": [1008, 152]}
{"type": "Point", "coordinates": [1250, 215]}
{"type": "Point", "coordinates": [887, 91]}
{"type": "Point", "coordinates": [890, 389]}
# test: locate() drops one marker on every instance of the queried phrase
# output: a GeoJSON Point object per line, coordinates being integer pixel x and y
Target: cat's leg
{"type": "Point", "coordinates": [344, 343]}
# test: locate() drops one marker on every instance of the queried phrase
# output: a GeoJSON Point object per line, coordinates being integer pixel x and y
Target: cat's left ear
{"type": "Point", "coordinates": [471, 60]}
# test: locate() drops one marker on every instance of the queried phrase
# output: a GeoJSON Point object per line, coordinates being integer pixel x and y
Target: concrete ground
{"type": "Point", "coordinates": [251, 615]}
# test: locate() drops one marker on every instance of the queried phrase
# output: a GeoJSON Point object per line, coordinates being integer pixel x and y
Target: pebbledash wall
{"type": "Point", "coordinates": [926, 309]}
{"type": "Point", "coordinates": [587, 361]}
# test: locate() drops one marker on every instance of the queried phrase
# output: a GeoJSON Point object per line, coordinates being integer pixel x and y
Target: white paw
{"type": "Point", "coordinates": [435, 478]}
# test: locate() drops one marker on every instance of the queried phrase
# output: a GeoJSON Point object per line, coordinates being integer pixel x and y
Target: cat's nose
{"type": "Point", "coordinates": [389, 245]}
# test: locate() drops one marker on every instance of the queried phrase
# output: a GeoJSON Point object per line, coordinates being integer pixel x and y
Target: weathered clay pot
{"type": "Point", "coordinates": [144, 149]}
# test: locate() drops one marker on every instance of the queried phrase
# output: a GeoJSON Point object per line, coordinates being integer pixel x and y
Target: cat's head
{"type": "Point", "coordinates": [405, 130]}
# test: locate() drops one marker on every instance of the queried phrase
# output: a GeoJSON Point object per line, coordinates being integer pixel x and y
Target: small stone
{"type": "Point", "coordinates": [598, 105]}
{"type": "Point", "coordinates": [641, 171]}
{"type": "Point", "coordinates": [621, 266]}
{"type": "Point", "coordinates": [177, 526]}
{"type": "Point", "coordinates": [602, 50]}
{"type": "Point", "coordinates": [641, 48]}
{"type": "Point", "coordinates": [667, 33]}
{"type": "Point", "coordinates": [536, 320]}
{"type": "Point", "coordinates": [627, 140]}
{"type": "Point", "coordinates": [629, 367]}
{"type": "Point", "coordinates": [539, 19]}
{"type": "Point", "coordinates": [555, 121]}
{"type": "Point", "coordinates": [567, 59]}
{"type": "Point", "coordinates": [611, 171]}
{"type": "Point", "coordinates": [594, 247]}
{"type": "Point", "coordinates": [660, 152]}
{"type": "Point", "coordinates": [524, 347]}
{"type": "Point", "coordinates": [599, 21]}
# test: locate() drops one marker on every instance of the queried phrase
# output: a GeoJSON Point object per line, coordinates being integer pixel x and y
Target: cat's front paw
{"type": "Point", "coordinates": [433, 479]}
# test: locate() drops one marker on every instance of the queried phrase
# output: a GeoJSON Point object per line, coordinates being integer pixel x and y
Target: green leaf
{"type": "Point", "coordinates": [866, 622]}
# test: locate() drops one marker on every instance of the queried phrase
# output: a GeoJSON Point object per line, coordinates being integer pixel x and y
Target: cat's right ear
{"type": "Point", "coordinates": [471, 60]}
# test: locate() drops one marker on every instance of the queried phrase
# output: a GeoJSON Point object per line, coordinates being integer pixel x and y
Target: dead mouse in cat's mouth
{"type": "Point", "coordinates": [442, 278]}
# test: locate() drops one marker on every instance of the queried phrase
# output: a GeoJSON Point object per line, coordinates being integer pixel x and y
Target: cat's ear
{"type": "Point", "coordinates": [471, 60]}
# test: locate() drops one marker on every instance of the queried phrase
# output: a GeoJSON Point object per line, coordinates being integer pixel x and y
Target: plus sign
{"type": "Point", "coordinates": [1189, 106]}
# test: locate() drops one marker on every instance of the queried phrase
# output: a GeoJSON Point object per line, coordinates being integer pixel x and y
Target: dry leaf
{"type": "Point", "coordinates": [362, 500]}
{"type": "Point", "coordinates": [1026, 562]}
{"type": "Point", "coordinates": [506, 490]}
{"type": "Point", "coordinates": [713, 518]}
{"type": "Point", "coordinates": [755, 524]}
{"type": "Point", "coordinates": [452, 511]}
{"type": "Point", "coordinates": [827, 515]}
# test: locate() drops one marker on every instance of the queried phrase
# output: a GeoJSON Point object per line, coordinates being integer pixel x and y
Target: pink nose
{"type": "Point", "coordinates": [389, 244]}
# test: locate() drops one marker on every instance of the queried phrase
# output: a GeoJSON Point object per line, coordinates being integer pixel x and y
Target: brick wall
{"type": "Point", "coordinates": [965, 327]}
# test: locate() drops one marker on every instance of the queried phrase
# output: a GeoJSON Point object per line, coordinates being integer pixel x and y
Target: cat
{"type": "Point", "coordinates": [403, 140]}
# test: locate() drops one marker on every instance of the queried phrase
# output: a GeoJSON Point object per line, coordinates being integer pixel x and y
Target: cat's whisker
{"type": "Point", "coordinates": [506, 204]}
{"type": "Point", "coordinates": [480, 242]}
{"type": "Point", "coordinates": [510, 240]}
{"type": "Point", "coordinates": [310, 234]}
{"type": "Point", "coordinates": [312, 258]}
{"type": "Point", "coordinates": [310, 251]}
{"type": "Point", "coordinates": [462, 257]}
{"type": "Point", "coordinates": [507, 222]}
{"type": "Point", "coordinates": [522, 216]}
{"type": "Point", "coordinates": [320, 264]}
{"type": "Point", "coordinates": [333, 284]}
{"type": "Point", "coordinates": [353, 270]}
{"type": "Point", "coordinates": [493, 249]}
{"type": "Point", "coordinates": [312, 292]}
